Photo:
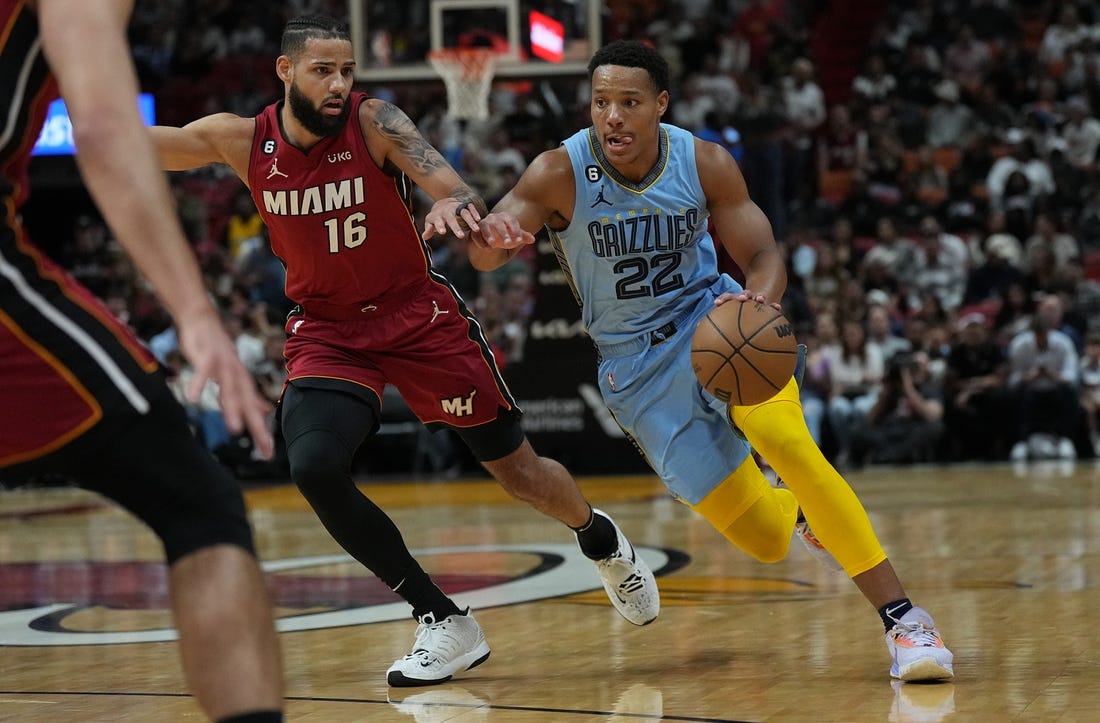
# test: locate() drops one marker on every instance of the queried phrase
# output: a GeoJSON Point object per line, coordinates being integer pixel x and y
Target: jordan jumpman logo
{"type": "Point", "coordinates": [437, 311]}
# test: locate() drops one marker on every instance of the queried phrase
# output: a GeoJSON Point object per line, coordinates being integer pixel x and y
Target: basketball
{"type": "Point", "coordinates": [743, 352]}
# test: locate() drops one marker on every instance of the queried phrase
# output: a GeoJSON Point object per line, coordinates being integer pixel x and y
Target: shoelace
{"type": "Point", "coordinates": [917, 633]}
{"type": "Point", "coordinates": [433, 639]}
{"type": "Point", "coordinates": [632, 584]}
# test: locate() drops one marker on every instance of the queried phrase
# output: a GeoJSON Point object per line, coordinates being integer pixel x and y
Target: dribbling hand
{"type": "Point", "coordinates": [746, 295]}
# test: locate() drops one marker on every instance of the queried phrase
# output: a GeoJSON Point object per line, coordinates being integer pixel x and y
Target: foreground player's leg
{"type": "Point", "coordinates": [227, 635]}
{"type": "Point", "coordinates": [153, 465]}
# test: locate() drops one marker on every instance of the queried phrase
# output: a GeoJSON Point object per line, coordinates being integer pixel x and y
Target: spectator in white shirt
{"type": "Point", "coordinates": [718, 84]}
{"type": "Point", "coordinates": [1048, 236]}
{"type": "Point", "coordinates": [691, 108]}
{"type": "Point", "coordinates": [940, 266]}
{"type": "Point", "coordinates": [1081, 134]}
{"type": "Point", "coordinates": [1063, 35]}
{"type": "Point", "coordinates": [1021, 157]}
{"type": "Point", "coordinates": [949, 120]}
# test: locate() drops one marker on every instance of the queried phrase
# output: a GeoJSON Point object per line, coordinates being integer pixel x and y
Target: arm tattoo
{"type": "Point", "coordinates": [392, 123]}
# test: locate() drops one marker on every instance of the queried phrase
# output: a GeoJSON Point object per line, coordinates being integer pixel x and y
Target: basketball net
{"type": "Point", "coordinates": [468, 74]}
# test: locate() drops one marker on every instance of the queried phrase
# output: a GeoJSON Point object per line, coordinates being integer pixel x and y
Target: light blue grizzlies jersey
{"type": "Point", "coordinates": [638, 254]}
{"type": "Point", "coordinates": [645, 270]}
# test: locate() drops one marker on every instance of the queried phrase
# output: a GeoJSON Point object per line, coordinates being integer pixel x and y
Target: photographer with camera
{"type": "Point", "coordinates": [905, 424]}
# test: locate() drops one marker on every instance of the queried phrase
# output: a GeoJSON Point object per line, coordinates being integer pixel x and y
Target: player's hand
{"type": "Point", "coordinates": [501, 231]}
{"type": "Point", "coordinates": [448, 215]}
{"type": "Point", "coordinates": [746, 295]}
{"type": "Point", "coordinates": [213, 356]}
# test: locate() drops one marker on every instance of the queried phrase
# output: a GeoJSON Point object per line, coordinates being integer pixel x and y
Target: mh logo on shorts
{"type": "Point", "coordinates": [460, 406]}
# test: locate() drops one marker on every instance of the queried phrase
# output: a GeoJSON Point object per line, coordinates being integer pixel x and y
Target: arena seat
{"type": "Point", "coordinates": [834, 186]}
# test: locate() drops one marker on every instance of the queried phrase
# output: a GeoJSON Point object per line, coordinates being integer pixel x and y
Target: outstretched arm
{"type": "Point", "coordinates": [394, 140]}
{"type": "Point", "coordinates": [218, 138]}
{"type": "Point", "coordinates": [85, 44]}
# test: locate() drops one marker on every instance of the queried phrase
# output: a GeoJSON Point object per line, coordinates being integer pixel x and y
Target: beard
{"type": "Point", "coordinates": [313, 120]}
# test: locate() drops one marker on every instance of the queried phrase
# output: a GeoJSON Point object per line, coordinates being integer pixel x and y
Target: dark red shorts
{"type": "Point", "coordinates": [425, 343]}
{"type": "Point", "coordinates": [65, 361]}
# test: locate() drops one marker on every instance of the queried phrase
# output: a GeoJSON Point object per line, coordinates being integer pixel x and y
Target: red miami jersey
{"type": "Point", "coordinates": [65, 361]}
{"type": "Point", "coordinates": [341, 225]}
{"type": "Point", "coordinates": [26, 89]}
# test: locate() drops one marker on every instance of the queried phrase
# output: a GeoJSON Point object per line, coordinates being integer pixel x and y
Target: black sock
{"type": "Point", "coordinates": [420, 592]}
{"type": "Point", "coordinates": [597, 537]}
{"type": "Point", "coordinates": [892, 612]}
{"type": "Point", "coordinates": [258, 716]}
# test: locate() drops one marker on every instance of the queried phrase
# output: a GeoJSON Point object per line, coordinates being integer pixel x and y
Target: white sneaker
{"type": "Point", "coordinates": [1041, 446]}
{"type": "Point", "coordinates": [917, 650]}
{"type": "Point", "coordinates": [442, 649]}
{"type": "Point", "coordinates": [806, 536]}
{"type": "Point", "coordinates": [1066, 449]}
{"type": "Point", "coordinates": [628, 581]}
{"type": "Point", "coordinates": [1019, 452]}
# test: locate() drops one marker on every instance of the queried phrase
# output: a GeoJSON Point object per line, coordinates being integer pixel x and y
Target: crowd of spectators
{"type": "Point", "coordinates": [938, 205]}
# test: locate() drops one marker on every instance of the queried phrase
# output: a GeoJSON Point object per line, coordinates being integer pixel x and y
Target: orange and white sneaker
{"type": "Point", "coordinates": [917, 649]}
{"type": "Point", "coordinates": [807, 537]}
{"type": "Point", "coordinates": [809, 540]}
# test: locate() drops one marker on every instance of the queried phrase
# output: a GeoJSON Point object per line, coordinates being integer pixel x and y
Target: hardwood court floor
{"type": "Point", "coordinates": [1008, 559]}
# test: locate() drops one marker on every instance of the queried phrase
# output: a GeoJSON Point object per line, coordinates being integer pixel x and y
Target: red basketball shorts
{"type": "Point", "coordinates": [425, 343]}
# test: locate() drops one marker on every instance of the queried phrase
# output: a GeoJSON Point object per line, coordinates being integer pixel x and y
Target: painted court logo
{"type": "Point", "coordinates": [41, 603]}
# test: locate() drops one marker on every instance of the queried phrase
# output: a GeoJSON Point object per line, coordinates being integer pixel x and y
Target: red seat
{"type": "Point", "coordinates": [1091, 264]}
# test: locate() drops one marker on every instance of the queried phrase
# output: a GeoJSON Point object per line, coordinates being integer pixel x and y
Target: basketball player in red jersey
{"type": "Point", "coordinates": [329, 170]}
{"type": "Point", "coordinates": [81, 395]}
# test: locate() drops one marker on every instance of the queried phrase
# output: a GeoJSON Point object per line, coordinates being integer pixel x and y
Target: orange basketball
{"type": "Point", "coordinates": [744, 352]}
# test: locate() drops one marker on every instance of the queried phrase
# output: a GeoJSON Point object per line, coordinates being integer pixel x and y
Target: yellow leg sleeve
{"type": "Point", "coordinates": [751, 513]}
{"type": "Point", "coordinates": [777, 430]}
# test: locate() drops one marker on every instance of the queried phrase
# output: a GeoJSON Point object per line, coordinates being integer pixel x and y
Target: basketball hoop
{"type": "Point", "coordinates": [468, 74]}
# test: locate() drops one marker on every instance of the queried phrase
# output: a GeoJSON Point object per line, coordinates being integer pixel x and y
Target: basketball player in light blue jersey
{"type": "Point", "coordinates": [627, 204]}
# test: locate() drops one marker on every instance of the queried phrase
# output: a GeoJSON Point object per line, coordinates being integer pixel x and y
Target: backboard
{"type": "Point", "coordinates": [535, 37]}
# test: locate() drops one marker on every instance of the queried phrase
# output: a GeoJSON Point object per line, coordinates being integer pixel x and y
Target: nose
{"type": "Point", "coordinates": [337, 83]}
{"type": "Point", "coordinates": [614, 114]}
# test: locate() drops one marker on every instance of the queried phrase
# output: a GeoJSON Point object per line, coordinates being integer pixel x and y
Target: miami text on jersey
{"type": "Point", "coordinates": [315, 199]}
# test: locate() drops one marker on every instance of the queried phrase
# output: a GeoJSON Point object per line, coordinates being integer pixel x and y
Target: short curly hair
{"type": "Point", "coordinates": [633, 54]}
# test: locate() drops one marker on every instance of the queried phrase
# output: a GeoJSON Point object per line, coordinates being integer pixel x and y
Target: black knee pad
{"type": "Point", "coordinates": [153, 465]}
{"type": "Point", "coordinates": [496, 439]}
{"type": "Point", "coordinates": [323, 427]}
{"type": "Point", "coordinates": [212, 519]}
{"type": "Point", "coordinates": [318, 459]}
